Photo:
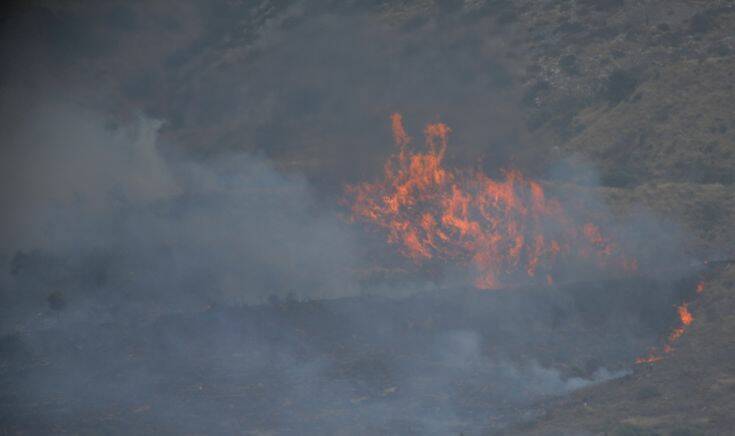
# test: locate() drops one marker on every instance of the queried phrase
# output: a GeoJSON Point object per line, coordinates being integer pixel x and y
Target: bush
{"type": "Point", "coordinates": [620, 85]}
{"type": "Point", "coordinates": [632, 430]}
{"type": "Point", "coordinates": [568, 64]}
{"type": "Point", "coordinates": [559, 115]}
{"type": "Point", "coordinates": [449, 6]}
{"type": "Point", "coordinates": [538, 88]}
{"type": "Point", "coordinates": [56, 301]}
{"type": "Point", "coordinates": [602, 5]}
{"type": "Point", "coordinates": [684, 431]}
{"type": "Point", "coordinates": [647, 392]}
{"type": "Point", "coordinates": [570, 28]}
{"type": "Point", "coordinates": [11, 345]}
{"type": "Point", "coordinates": [701, 23]}
{"type": "Point", "coordinates": [620, 178]}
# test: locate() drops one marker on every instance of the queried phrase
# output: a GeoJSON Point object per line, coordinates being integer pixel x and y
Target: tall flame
{"type": "Point", "coordinates": [508, 229]}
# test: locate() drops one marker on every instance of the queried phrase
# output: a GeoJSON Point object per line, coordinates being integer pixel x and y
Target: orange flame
{"type": "Point", "coordinates": [684, 315]}
{"type": "Point", "coordinates": [686, 318]}
{"type": "Point", "coordinates": [652, 357]}
{"type": "Point", "coordinates": [507, 229]}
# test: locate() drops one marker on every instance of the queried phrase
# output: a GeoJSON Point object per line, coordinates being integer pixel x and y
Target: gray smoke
{"type": "Point", "coordinates": [86, 200]}
{"type": "Point", "coordinates": [129, 237]}
{"type": "Point", "coordinates": [173, 257]}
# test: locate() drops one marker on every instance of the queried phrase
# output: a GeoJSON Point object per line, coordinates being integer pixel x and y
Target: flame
{"type": "Point", "coordinates": [684, 315]}
{"type": "Point", "coordinates": [652, 357]}
{"type": "Point", "coordinates": [506, 229]}
{"type": "Point", "coordinates": [685, 318]}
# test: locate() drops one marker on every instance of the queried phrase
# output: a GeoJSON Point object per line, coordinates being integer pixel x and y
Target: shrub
{"type": "Point", "coordinates": [602, 5]}
{"type": "Point", "coordinates": [701, 23]}
{"type": "Point", "coordinates": [620, 178]}
{"type": "Point", "coordinates": [568, 64]}
{"type": "Point", "coordinates": [570, 28]}
{"type": "Point", "coordinates": [56, 301]}
{"type": "Point", "coordinates": [684, 431]}
{"type": "Point", "coordinates": [449, 6]}
{"type": "Point", "coordinates": [538, 88]}
{"type": "Point", "coordinates": [632, 430]}
{"type": "Point", "coordinates": [647, 392]}
{"type": "Point", "coordinates": [619, 85]}
{"type": "Point", "coordinates": [11, 345]}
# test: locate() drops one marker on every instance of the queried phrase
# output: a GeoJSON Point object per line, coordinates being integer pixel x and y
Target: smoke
{"type": "Point", "coordinates": [164, 173]}
{"type": "Point", "coordinates": [99, 214]}
{"type": "Point", "coordinates": [658, 243]}
{"type": "Point", "coordinates": [223, 373]}
{"type": "Point", "coordinates": [153, 256]}
{"type": "Point", "coordinates": [304, 84]}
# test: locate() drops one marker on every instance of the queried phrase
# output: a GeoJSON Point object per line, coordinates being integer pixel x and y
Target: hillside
{"type": "Point", "coordinates": [627, 107]}
{"type": "Point", "coordinates": [689, 392]}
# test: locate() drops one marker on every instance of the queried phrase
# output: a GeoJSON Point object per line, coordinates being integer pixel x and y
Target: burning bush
{"type": "Point", "coordinates": [507, 229]}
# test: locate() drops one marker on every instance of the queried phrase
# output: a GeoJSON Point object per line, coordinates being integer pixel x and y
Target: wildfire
{"type": "Point", "coordinates": [508, 229]}
{"type": "Point", "coordinates": [652, 357]}
{"type": "Point", "coordinates": [686, 319]}
{"type": "Point", "coordinates": [684, 315]}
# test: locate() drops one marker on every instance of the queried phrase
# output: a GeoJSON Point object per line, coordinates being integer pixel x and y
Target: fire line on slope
{"type": "Point", "coordinates": [685, 320]}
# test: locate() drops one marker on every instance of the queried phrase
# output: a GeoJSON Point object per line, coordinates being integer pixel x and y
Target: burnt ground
{"type": "Point", "coordinates": [443, 362]}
